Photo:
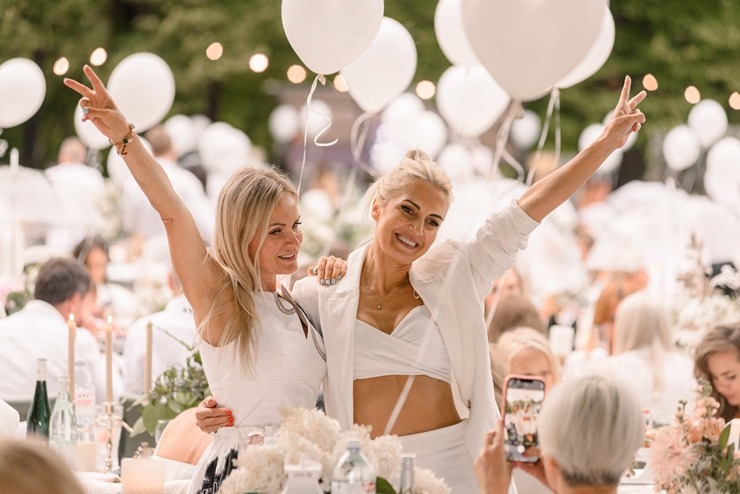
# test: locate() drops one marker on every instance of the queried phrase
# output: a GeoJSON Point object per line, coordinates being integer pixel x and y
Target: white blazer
{"type": "Point", "coordinates": [452, 279]}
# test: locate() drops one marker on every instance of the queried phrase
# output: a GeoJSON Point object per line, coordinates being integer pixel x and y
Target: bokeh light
{"type": "Point", "coordinates": [258, 62]}
{"type": "Point", "coordinates": [692, 95]}
{"type": "Point", "coordinates": [296, 74]}
{"type": "Point", "coordinates": [735, 101]}
{"type": "Point", "coordinates": [61, 66]}
{"type": "Point", "coordinates": [98, 56]}
{"type": "Point", "coordinates": [426, 89]}
{"type": "Point", "coordinates": [340, 84]}
{"type": "Point", "coordinates": [214, 51]}
{"type": "Point", "coordinates": [649, 82]}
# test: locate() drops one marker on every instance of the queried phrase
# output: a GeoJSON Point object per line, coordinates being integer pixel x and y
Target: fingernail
{"type": "Point", "coordinates": [321, 281]}
{"type": "Point", "coordinates": [333, 282]}
{"type": "Point", "coordinates": [315, 270]}
{"type": "Point", "coordinates": [85, 110]}
{"type": "Point", "coordinates": [228, 412]}
{"type": "Point", "coordinates": [339, 277]}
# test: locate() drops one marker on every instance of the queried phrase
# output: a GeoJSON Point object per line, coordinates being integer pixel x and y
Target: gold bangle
{"type": "Point", "coordinates": [121, 148]}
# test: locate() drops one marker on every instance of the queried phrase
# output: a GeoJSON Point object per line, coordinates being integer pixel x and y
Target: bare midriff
{"type": "Point", "coordinates": [429, 405]}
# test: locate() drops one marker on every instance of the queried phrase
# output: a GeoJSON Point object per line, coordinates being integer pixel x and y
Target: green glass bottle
{"type": "Point", "coordinates": [39, 414]}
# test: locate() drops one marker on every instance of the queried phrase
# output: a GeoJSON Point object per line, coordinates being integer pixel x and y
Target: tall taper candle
{"type": "Point", "coordinates": [108, 361]}
{"type": "Point", "coordinates": [148, 361]}
{"type": "Point", "coordinates": [72, 327]}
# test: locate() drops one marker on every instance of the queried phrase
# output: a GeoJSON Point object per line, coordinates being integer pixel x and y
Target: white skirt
{"type": "Point", "coordinates": [443, 451]}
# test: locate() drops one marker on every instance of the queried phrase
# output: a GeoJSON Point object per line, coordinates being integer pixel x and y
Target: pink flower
{"type": "Point", "coordinates": [670, 456]}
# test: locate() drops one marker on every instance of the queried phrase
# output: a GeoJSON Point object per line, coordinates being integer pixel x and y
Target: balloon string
{"type": "Point", "coordinates": [358, 136]}
{"type": "Point", "coordinates": [319, 78]}
{"type": "Point", "coordinates": [554, 94]}
{"type": "Point", "coordinates": [502, 137]}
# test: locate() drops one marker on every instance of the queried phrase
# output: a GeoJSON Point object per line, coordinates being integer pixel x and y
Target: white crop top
{"type": "Point", "coordinates": [414, 348]}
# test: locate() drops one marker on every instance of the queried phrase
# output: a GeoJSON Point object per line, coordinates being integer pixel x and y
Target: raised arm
{"type": "Point", "coordinates": [197, 274]}
{"type": "Point", "coordinates": [554, 189]}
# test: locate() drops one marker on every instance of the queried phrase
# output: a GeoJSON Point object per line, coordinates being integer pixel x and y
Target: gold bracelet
{"type": "Point", "coordinates": [121, 148]}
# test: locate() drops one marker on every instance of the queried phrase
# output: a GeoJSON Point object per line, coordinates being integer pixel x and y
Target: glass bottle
{"type": "Point", "coordinates": [407, 473]}
{"type": "Point", "coordinates": [40, 412]}
{"type": "Point", "coordinates": [63, 425]}
{"type": "Point", "coordinates": [353, 474]}
{"type": "Point", "coordinates": [303, 478]}
{"type": "Point", "coordinates": [86, 415]}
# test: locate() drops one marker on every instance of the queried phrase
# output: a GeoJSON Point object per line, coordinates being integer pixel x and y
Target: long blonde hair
{"type": "Point", "coordinates": [243, 212]}
{"type": "Point", "coordinates": [643, 322]}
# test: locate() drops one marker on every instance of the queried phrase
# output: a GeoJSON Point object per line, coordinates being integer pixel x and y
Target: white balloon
{"type": "Point", "coordinates": [597, 55]}
{"type": "Point", "coordinates": [470, 100]}
{"type": "Point", "coordinates": [117, 169]}
{"type": "Point", "coordinates": [529, 45]}
{"type": "Point", "coordinates": [722, 178]}
{"type": "Point", "coordinates": [525, 130]}
{"type": "Point", "coordinates": [589, 135]}
{"type": "Point", "coordinates": [318, 118]}
{"type": "Point", "coordinates": [143, 87]}
{"type": "Point", "coordinates": [384, 70]}
{"type": "Point", "coordinates": [328, 34]}
{"type": "Point", "coordinates": [401, 111]}
{"type": "Point", "coordinates": [88, 133]}
{"type": "Point", "coordinates": [283, 123]}
{"type": "Point", "coordinates": [681, 147]}
{"type": "Point", "coordinates": [448, 26]}
{"type": "Point", "coordinates": [183, 133]}
{"type": "Point", "coordinates": [223, 148]}
{"type": "Point", "coordinates": [386, 155]}
{"type": "Point", "coordinates": [22, 91]}
{"type": "Point", "coordinates": [428, 133]}
{"type": "Point", "coordinates": [709, 120]}
{"type": "Point", "coordinates": [457, 161]}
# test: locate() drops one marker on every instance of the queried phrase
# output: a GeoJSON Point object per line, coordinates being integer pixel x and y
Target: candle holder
{"type": "Point", "coordinates": [108, 435]}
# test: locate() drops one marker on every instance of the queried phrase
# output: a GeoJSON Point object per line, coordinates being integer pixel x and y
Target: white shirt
{"type": "Point", "coordinates": [40, 331]}
{"type": "Point", "coordinates": [141, 218]}
{"type": "Point", "coordinates": [177, 320]}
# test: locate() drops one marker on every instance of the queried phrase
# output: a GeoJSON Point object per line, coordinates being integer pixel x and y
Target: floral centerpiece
{"type": "Point", "coordinates": [310, 436]}
{"type": "Point", "coordinates": [693, 454]}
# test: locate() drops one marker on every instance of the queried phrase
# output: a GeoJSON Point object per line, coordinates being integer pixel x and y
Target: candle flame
{"type": "Point", "coordinates": [109, 321]}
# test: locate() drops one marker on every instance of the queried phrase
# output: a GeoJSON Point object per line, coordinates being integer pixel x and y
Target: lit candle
{"type": "Point", "coordinates": [148, 361]}
{"type": "Point", "coordinates": [108, 361]}
{"type": "Point", "coordinates": [71, 355]}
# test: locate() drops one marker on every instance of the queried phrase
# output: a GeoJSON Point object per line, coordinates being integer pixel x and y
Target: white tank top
{"type": "Point", "coordinates": [414, 348]}
{"type": "Point", "coordinates": [286, 369]}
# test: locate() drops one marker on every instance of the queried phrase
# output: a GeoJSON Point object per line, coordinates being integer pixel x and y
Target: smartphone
{"type": "Point", "coordinates": [523, 397]}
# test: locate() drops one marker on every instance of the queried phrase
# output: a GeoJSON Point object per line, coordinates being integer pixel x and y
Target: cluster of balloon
{"type": "Point", "coordinates": [683, 145]}
{"type": "Point", "coordinates": [22, 91]}
{"type": "Point", "coordinates": [143, 87]}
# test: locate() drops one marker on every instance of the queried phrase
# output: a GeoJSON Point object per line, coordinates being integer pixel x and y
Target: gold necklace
{"type": "Point", "coordinates": [392, 293]}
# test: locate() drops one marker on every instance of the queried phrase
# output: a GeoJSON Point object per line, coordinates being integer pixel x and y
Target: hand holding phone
{"type": "Point", "coordinates": [523, 397]}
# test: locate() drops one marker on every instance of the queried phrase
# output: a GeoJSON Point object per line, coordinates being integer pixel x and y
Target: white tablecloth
{"type": "Point", "coordinates": [92, 486]}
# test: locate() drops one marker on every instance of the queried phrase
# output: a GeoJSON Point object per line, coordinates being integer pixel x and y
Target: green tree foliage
{"type": "Point", "coordinates": [681, 43]}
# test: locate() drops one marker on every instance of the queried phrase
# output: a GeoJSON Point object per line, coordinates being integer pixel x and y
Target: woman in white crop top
{"type": "Point", "coordinates": [258, 351]}
{"type": "Point", "coordinates": [399, 276]}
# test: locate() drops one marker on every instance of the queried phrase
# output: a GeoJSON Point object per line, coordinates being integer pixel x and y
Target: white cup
{"type": "Point", "coordinates": [87, 452]}
{"type": "Point", "coordinates": [561, 340]}
{"type": "Point", "coordinates": [142, 476]}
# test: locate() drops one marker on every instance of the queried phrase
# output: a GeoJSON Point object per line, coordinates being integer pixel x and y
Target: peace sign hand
{"type": "Point", "coordinates": [98, 107]}
{"type": "Point", "coordinates": [626, 117]}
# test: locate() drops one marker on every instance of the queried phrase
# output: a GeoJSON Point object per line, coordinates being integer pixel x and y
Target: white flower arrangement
{"type": "Point", "coordinates": [310, 436]}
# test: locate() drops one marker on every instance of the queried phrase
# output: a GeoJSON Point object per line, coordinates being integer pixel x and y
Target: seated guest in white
{"type": "Point", "coordinates": [40, 330]}
{"type": "Point", "coordinates": [9, 420]}
{"type": "Point", "coordinates": [173, 328]}
{"type": "Point", "coordinates": [78, 188]}
{"type": "Point", "coordinates": [645, 358]}
{"type": "Point", "coordinates": [141, 219]}
{"type": "Point", "coordinates": [589, 428]}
